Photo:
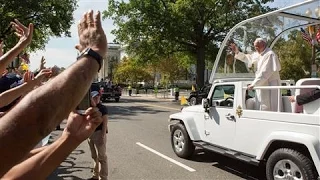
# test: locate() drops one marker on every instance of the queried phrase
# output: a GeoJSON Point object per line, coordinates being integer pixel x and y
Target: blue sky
{"type": "Point", "coordinates": [61, 52]}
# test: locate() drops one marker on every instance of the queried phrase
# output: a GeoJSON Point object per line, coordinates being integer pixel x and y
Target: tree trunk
{"type": "Point", "coordinates": [200, 66]}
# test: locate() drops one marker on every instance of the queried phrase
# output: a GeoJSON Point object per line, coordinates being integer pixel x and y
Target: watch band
{"type": "Point", "coordinates": [93, 54]}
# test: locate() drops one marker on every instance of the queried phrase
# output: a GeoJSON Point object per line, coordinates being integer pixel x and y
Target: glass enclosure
{"type": "Point", "coordinates": [270, 26]}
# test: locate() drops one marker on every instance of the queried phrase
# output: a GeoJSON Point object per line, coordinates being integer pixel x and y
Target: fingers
{"type": "Point", "coordinates": [97, 20]}
{"type": "Point", "coordinates": [46, 71]}
{"type": "Point", "coordinates": [21, 30]}
{"type": "Point", "coordinates": [90, 22]}
{"type": "Point", "coordinates": [30, 34]}
{"type": "Point", "coordinates": [18, 34]}
{"type": "Point", "coordinates": [21, 26]}
{"type": "Point", "coordinates": [83, 23]}
{"type": "Point", "coordinates": [93, 112]}
{"type": "Point", "coordinates": [94, 115]}
{"type": "Point", "coordinates": [26, 76]}
{"type": "Point", "coordinates": [79, 48]}
{"type": "Point", "coordinates": [17, 28]}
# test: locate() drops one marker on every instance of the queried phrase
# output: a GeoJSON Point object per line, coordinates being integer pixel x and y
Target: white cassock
{"type": "Point", "coordinates": [267, 74]}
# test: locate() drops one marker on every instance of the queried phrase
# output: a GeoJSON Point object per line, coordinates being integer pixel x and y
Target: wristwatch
{"type": "Point", "coordinates": [93, 54]}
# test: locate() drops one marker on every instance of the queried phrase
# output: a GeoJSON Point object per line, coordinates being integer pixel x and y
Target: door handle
{"type": "Point", "coordinates": [230, 117]}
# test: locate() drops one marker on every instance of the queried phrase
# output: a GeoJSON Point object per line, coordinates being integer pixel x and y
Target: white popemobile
{"type": "Point", "coordinates": [286, 142]}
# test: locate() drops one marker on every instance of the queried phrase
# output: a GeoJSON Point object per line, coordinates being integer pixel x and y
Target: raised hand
{"type": "Point", "coordinates": [91, 34]}
{"type": "Point", "coordinates": [80, 127]}
{"type": "Point", "coordinates": [234, 48]}
{"type": "Point", "coordinates": [42, 63]}
{"type": "Point", "coordinates": [24, 33]}
{"type": "Point", "coordinates": [292, 99]}
{"type": "Point", "coordinates": [43, 75]}
{"type": "Point", "coordinates": [27, 76]}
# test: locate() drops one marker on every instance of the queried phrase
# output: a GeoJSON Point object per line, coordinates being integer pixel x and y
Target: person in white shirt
{"type": "Point", "coordinates": [267, 67]}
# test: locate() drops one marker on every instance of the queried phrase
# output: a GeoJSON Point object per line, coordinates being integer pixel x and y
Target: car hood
{"type": "Point", "coordinates": [196, 108]}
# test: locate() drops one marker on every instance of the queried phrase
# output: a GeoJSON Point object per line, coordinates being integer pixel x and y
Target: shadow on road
{"type": "Point", "coordinates": [68, 167]}
{"type": "Point", "coordinates": [230, 165]}
{"type": "Point", "coordinates": [129, 112]}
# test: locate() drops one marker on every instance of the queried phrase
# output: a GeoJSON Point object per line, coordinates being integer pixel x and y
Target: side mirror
{"type": "Point", "coordinates": [205, 104]}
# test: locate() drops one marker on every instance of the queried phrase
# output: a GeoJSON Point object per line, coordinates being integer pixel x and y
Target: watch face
{"type": "Point", "coordinates": [86, 51]}
{"type": "Point", "coordinates": [92, 53]}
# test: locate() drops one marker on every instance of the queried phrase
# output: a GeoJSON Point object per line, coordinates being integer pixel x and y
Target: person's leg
{"type": "Point", "coordinates": [91, 142]}
{"type": "Point", "coordinates": [102, 156]}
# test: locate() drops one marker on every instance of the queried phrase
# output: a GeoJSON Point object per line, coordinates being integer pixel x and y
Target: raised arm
{"type": "Point", "coordinates": [46, 159]}
{"type": "Point", "coordinates": [10, 95]}
{"type": "Point", "coordinates": [25, 35]}
{"type": "Point", "coordinates": [41, 110]}
{"type": "Point", "coordinates": [246, 58]}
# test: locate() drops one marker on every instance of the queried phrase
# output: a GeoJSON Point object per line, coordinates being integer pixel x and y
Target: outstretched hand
{"type": "Point", "coordinates": [42, 63]}
{"type": "Point", "coordinates": [250, 87]}
{"type": "Point", "coordinates": [27, 76]}
{"type": "Point", "coordinates": [80, 127]}
{"type": "Point", "coordinates": [25, 34]}
{"type": "Point", "coordinates": [43, 75]}
{"type": "Point", "coordinates": [234, 48]}
{"type": "Point", "coordinates": [292, 99]}
{"type": "Point", "coordinates": [91, 34]}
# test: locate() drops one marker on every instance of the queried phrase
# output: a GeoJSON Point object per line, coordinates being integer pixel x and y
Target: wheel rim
{"type": "Point", "coordinates": [193, 101]}
{"type": "Point", "coordinates": [178, 140]}
{"type": "Point", "coordinates": [286, 169]}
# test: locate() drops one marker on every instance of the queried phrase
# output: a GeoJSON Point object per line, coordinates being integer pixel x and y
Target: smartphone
{"type": "Point", "coordinates": [84, 104]}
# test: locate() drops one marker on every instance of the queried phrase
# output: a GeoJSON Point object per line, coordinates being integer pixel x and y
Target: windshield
{"type": "Point", "coordinates": [271, 27]}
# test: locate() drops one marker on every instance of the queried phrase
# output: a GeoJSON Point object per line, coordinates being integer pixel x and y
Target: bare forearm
{"type": "Point", "coordinates": [10, 95]}
{"type": "Point", "coordinates": [41, 110]}
{"type": "Point", "coordinates": [44, 162]}
{"type": "Point", "coordinates": [35, 151]}
{"type": "Point", "coordinates": [10, 55]}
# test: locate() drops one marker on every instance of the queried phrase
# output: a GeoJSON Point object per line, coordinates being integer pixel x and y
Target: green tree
{"type": "Point", "coordinates": [172, 68]}
{"type": "Point", "coordinates": [295, 56]}
{"type": "Point", "coordinates": [129, 71]}
{"type": "Point", "coordinates": [50, 18]}
{"type": "Point", "coordinates": [153, 28]}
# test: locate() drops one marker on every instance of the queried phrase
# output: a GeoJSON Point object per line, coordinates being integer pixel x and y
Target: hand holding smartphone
{"type": "Point", "coordinates": [84, 104]}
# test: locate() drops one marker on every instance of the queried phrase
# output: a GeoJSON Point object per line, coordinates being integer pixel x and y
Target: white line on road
{"type": "Point", "coordinates": [166, 157]}
{"type": "Point", "coordinates": [158, 106]}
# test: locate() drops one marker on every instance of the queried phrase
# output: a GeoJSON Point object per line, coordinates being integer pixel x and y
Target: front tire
{"type": "Point", "coordinates": [180, 141]}
{"type": "Point", "coordinates": [193, 101]}
{"type": "Point", "coordinates": [117, 99]}
{"type": "Point", "coordinates": [287, 163]}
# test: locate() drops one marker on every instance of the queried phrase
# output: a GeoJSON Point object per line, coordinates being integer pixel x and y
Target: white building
{"type": "Point", "coordinates": [113, 58]}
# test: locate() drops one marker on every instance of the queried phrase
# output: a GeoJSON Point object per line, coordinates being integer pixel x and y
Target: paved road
{"type": "Point", "coordinates": [139, 148]}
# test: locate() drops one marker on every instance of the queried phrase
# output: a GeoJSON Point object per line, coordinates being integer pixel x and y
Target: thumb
{"type": "Point", "coordinates": [79, 47]}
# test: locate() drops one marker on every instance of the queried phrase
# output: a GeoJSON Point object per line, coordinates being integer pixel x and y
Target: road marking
{"type": "Point", "coordinates": [166, 157]}
{"type": "Point", "coordinates": [159, 106]}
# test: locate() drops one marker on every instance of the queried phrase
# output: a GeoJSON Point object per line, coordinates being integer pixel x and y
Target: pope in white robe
{"type": "Point", "coordinates": [267, 67]}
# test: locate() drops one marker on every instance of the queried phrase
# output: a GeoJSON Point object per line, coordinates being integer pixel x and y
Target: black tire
{"type": "Point", "coordinates": [193, 101]}
{"type": "Point", "coordinates": [187, 148]}
{"type": "Point", "coordinates": [117, 99]}
{"type": "Point", "coordinates": [294, 162]}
